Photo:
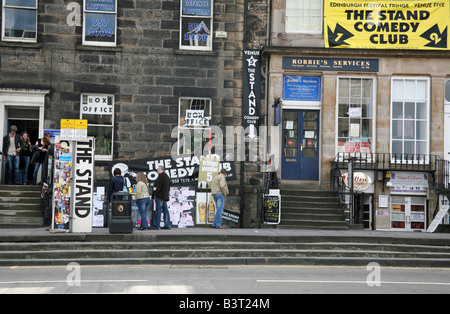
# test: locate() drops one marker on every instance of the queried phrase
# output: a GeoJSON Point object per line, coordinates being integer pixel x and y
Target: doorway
{"type": "Point", "coordinates": [300, 145]}
{"type": "Point", "coordinates": [26, 120]}
{"type": "Point", "coordinates": [408, 213]}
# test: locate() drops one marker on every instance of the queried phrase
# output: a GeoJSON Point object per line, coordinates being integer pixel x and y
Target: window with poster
{"type": "Point", "coordinates": [100, 23]}
{"type": "Point", "coordinates": [19, 21]}
{"type": "Point", "coordinates": [196, 25]}
{"type": "Point", "coordinates": [355, 118]}
{"type": "Point", "coordinates": [194, 124]}
{"type": "Point", "coordinates": [99, 111]}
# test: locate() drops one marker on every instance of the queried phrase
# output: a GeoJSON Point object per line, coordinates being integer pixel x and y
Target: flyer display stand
{"type": "Point", "coordinates": [73, 182]}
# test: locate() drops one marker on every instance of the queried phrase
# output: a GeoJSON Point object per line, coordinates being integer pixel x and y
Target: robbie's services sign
{"type": "Point", "coordinates": [370, 24]}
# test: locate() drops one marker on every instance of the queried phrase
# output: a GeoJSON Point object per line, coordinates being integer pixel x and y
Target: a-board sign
{"type": "Point", "coordinates": [272, 209]}
{"type": "Point", "coordinates": [437, 220]}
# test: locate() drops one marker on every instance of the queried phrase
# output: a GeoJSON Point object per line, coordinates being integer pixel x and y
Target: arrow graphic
{"type": "Point", "coordinates": [339, 36]}
{"type": "Point", "coordinates": [436, 38]}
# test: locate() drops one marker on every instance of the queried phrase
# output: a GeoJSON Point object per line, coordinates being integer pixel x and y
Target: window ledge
{"type": "Point", "coordinates": [196, 52]}
{"type": "Point", "coordinates": [17, 44]}
{"type": "Point", "coordinates": [99, 48]}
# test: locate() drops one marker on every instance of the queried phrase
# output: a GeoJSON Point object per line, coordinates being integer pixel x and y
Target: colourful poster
{"type": "Point", "coordinates": [369, 24]}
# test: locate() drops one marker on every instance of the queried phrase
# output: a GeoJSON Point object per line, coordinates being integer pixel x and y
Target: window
{"type": "Point", "coordinates": [100, 22]}
{"type": "Point", "coordinates": [99, 111]}
{"type": "Point", "coordinates": [194, 125]}
{"type": "Point", "coordinates": [447, 92]}
{"type": "Point", "coordinates": [355, 125]}
{"type": "Point", "coordinates": [304, 16]}
{"type": "Point", "coordinates": [20, 20]}
{"type": "Point", "coordinates": [196, 25]}
{"type": "Point", "coordinates": [410, 109]}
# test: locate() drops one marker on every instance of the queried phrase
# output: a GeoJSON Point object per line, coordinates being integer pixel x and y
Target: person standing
{"type": "Point", "coordinates": [42, 149]}
{"type": "Point", "coordinates": [142, 198]}
{"type": "Point", "coordinates": [25, 153]}
{"type": "Point", "coordinates": [219, 189]}
{"type": "Point", "coordinates": [12, 145]}
{"type": "Point", "coordinates": [161, 196]}
{"type": "Point", "coordinates": [115, 183]}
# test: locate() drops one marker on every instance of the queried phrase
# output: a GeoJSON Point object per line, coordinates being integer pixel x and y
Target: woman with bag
{"type": "Point", "coordinates": [142, 198]}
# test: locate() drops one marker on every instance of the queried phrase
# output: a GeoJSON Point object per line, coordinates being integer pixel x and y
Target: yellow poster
{"type": "Point", "coordinates": [369, 24]}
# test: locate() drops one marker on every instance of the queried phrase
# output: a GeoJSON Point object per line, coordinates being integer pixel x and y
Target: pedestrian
{"type": "Point", "coordinates": [40, 154]}
{"type": "Point", "coordinates": [142, 198]}
{"type": "Point", "coordinates": [25, 156]}
{"type": "Point", "coordinates": [161, 196]}
{"type": "Point", "coordinates": [12, 145]}
{"type": "Point", "coordinates": [219, 189]}
{"type": "Point", "coordinates": [115, 183]}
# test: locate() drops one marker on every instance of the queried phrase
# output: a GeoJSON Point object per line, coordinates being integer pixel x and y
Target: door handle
{"type": "Point", "coordinates": [301, 147]}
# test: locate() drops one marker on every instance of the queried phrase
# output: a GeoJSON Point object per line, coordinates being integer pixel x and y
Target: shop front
{"type": "Point", "coordinates": [408, 194]}
{"type": "Point", "coordinates": [386, 112]}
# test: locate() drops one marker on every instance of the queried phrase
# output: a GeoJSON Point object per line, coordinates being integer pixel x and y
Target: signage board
{"type": "Point", "coordinates": [272, 209]}
{"type": "Point", "coordinates": [368, 24]}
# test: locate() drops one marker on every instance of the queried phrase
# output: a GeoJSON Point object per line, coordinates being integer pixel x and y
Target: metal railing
{"type": "Point", "coordinates": [435, 165]}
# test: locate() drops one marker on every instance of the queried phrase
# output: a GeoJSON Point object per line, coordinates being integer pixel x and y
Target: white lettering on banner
{"type": "Point", "coordinates": [84, 170]}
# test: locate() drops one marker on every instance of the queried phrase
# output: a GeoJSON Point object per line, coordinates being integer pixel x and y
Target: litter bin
{"type": "Point", "coordinates": [121, 221]}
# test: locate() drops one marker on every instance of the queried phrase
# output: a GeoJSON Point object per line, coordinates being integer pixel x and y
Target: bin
{"type": "Point", "coordinates": [121, 221]}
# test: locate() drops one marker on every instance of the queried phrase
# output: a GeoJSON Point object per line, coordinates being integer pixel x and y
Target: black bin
{"type": "Point", "coordinates": [121, 221]}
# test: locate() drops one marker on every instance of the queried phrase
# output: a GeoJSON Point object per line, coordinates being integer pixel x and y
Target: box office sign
{"type": "Point", "coordinates": [368, 24]}
{"type": "Point", "coordinates": [97, 104]}
{"type": "Point", "coordinates": [409, 183]}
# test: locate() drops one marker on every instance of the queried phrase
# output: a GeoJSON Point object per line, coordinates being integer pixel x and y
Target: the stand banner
{"type": "Point", "coordinates": [373, 24]}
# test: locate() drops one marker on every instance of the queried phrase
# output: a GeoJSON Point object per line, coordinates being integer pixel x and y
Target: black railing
{"type": "Point", "coordinates": [435, 165]}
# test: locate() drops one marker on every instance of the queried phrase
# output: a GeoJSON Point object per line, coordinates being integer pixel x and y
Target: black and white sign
{"type": "Point", "coordinates": [83, 186]}
{"type": "Point", "coordinates": [251, 91]}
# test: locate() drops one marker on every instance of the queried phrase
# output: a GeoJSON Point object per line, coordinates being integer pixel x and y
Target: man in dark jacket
{"type": "Point", "coordinates": [161, 196]}
{"type": "Point", "coordinates": [12, 144]}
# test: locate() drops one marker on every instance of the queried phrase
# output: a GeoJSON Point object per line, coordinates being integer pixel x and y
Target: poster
{"type": "Point", "coordinates": [372, 24]}
{"type": "Point", "coordinates": [205, 208]}
{"type": "Point", "coordinates": [62, 184]}
{"type": "Point", "coordinates": [209, 168]}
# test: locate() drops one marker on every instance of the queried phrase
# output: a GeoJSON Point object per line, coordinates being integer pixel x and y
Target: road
{"type": "Point", "coordinates": [222, 280]}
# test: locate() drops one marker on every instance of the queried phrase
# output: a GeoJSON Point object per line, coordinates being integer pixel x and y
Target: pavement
{"type": "Point", "coordinates": [187, 234]}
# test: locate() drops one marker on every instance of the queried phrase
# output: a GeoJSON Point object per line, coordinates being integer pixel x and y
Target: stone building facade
{"type": "Point", "coordinates": [344, 97]}
{"type": "Point", "coordinates": [145, 59]}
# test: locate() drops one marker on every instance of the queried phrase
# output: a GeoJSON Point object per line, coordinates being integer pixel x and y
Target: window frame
{"type": "Point", "coordinates": [211, 26]}
{"type": "Point", "coordinates": [195, 128]}
{"type": "Point", "coordinates": [105, 157]}
{"type": "Point", "coordinates": [99, 43]}
{"type": "Point", "coordinates": [18, 39]}
{"type": "Point", "coordinates": [427, 101]}
{"type": "Point", "coordinates": [296, 31]}
{"type": "Point", "coordinates": [373, 117]}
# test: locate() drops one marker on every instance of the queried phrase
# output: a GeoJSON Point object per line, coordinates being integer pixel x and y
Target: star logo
{"type": "Point", "coordinates": [252, 62]}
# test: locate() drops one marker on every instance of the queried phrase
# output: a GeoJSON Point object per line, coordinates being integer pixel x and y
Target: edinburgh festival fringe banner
{"type": "Point", "coordinates": [369, 24]}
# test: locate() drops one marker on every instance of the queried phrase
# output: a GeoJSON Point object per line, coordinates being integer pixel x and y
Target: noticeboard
{"type": "Point", "coordinates": [272, 209]}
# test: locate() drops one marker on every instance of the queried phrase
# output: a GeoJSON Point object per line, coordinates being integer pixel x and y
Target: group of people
{"type": "Point", "coordinates": [160, 195]}
{"type": "Point", "coordinates": [19, 154]}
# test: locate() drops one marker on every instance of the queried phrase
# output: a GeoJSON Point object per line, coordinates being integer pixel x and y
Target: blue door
{"type": "Point", "coordinates": [300, 147]}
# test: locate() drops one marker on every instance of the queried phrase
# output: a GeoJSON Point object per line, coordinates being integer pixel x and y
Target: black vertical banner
{"type": "Point", "coordinates": [251, 101]}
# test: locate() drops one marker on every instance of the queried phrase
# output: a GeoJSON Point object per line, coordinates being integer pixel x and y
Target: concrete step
{"type": "Point", "coordinates": [20, 206]}
{"type": "Point", "coordinates": [227, 252]}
